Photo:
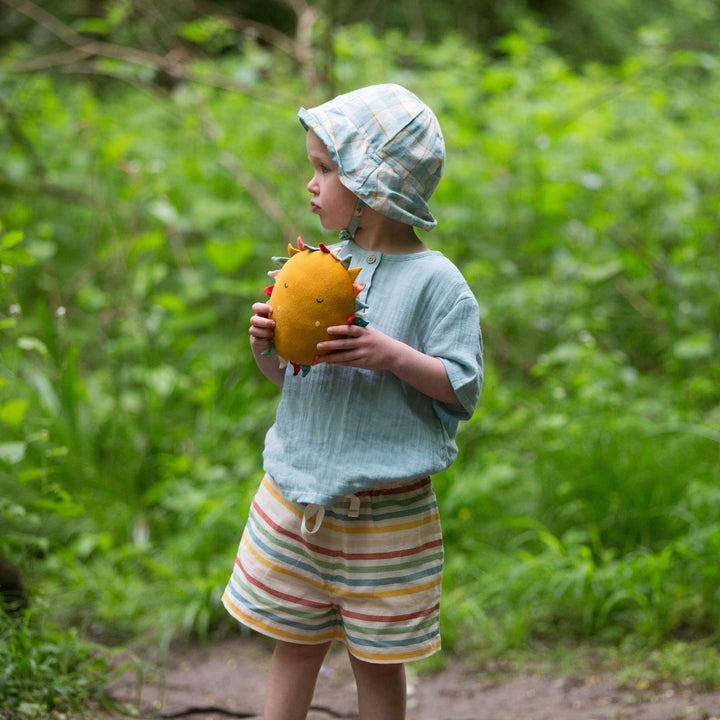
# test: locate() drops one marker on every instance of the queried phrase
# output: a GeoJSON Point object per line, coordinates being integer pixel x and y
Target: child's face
{"type": "Point", "coordinates": [331, 200]}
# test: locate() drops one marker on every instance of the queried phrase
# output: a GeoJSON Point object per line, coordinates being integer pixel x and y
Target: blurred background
{"type": "Point", "coordinates": [151, 164]}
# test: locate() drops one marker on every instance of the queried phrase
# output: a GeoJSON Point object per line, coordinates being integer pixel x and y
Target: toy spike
{"type": "Point", "coordinates": [357, 320]}
{"type": "Point", "coordinates": [302, 370]}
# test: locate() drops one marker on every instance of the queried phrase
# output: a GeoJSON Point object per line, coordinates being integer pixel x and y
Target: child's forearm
{"type": "Point", "coordinates": [423, 372]}
{"type": "Point", "coordinates": [269, 366]}
{"type": "Point", "coordinates": [367, 348]}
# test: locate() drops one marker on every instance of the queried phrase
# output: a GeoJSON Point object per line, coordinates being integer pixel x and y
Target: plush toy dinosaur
{"type": "Point", "coordinates": [314, 289]}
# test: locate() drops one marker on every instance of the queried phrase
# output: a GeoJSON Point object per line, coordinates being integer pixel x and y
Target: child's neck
{"type": "Point", "coordinates": [388, 236]}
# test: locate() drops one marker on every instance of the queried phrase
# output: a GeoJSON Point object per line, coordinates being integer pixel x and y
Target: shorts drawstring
{"type": "Point", "coordinates": [316, 514]}
{"type": "Point", "coordinates": [312, 512]}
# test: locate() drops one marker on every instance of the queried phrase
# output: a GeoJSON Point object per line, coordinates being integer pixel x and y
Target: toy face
{"type": "Point", "coordinates": [312, 291]}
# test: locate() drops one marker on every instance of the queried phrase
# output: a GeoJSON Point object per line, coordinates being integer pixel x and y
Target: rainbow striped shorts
{"type": "Point", "coordinates": [367, 574]}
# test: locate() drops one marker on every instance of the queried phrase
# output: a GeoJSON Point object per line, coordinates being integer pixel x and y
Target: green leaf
{"type": "Point", "coordinates": [17, 256]}
{"type": "Point", "coordinates": [694, 347]}
{"type": "Point", "coordinates": [171, 302]}
{"type": "Point", "coordinates": [13, 413]}
{"type": "Point", "coordinates": [95, 25]}
{"type": "Point", "coordinates": [32, 344]}
{"type": "Point", "coordinates": [206, 29]}
{"type": "Point", "coordinates": [13, 452]}
{"type": "Point", "coordinates": [228, 256]}
{"type": "Point", "coordinates": [602, 271]}
{"type": "Point", "coordinates": [10, 239]}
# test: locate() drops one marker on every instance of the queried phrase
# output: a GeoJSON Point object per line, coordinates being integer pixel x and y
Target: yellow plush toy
{"type": "Point", "coordinates": [314, 289]}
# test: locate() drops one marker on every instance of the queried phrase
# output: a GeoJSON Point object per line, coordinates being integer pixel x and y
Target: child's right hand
{"type": "Point", "coordinates": [262, 327]}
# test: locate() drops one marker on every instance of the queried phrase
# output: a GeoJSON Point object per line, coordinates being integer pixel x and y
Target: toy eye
{"type": "Point", "coordinates": [319, 300]}
{"type": "Point", "coordinates": [285, 284]}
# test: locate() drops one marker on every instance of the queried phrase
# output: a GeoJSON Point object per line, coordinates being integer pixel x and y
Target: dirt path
{"type": "Point", "coordinates": [230, 675]}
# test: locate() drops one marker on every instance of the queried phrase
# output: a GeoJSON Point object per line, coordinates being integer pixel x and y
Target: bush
{"type": "Point", "coordinates": [47, 671]}
{"type": "Point", "coordinates": [581, 207]}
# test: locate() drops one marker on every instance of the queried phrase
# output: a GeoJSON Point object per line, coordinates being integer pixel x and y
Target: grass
{"type": "Point", "coordinates": [693, 665]}
{"type": "Point", "coordinates": [47, 672]}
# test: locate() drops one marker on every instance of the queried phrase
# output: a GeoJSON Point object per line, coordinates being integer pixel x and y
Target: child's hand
{"type": "Point", "coordinates": [363, 347]}
{"type": "Point", "coordinates": [262, 328]}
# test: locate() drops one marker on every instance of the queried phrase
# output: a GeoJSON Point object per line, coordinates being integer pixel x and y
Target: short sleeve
{"type": "Point", "coordinates": [456, 339]}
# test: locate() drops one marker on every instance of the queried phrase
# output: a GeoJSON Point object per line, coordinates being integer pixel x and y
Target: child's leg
{"type": "Point", "coordinates": [291, 682]}
{"type": "Point", "coordinates": [382, 690]}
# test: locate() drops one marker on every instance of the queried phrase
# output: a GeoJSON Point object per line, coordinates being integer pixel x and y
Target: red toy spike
{"type": "Point", "coordinates": [324, 247]}
{"type": "Point", "coordinates": [296, 368]}
{"type": "Point", "coordinates": [268, 290]}
{"type": "Point", "coordinates": [351, 320]}
{"type": "Point", "coordinates": [357, 289]}
{"type": "Point", "coordinates": [301, 244]}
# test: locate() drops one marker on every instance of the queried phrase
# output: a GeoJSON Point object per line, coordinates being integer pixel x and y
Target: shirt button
{"type": "Point", "coordinates": [371, 259]}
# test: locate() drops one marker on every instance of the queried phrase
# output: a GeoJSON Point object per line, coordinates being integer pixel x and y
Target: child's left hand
{"type": "Point", "coordinates": [362, 347]}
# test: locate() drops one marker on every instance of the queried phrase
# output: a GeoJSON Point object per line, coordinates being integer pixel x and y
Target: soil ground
{"type": "Point", "coordinates": [230, 677]}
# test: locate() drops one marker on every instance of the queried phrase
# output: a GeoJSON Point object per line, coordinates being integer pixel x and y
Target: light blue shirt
{"type": "Point", "coordinates": [339, 430]}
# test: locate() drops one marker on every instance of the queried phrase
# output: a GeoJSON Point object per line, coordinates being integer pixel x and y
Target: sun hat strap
{"type": "Point", "coordinates": [349, 231]}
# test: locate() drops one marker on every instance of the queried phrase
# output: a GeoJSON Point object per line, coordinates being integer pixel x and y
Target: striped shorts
{"type": "Point", "coordinates": [367, 574]}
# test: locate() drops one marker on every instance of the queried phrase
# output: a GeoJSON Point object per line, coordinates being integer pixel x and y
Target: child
{"type": "Point", "coordinates": [343, 541]}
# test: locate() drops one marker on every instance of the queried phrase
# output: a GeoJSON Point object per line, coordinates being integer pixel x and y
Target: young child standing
{"type": "Point", "coordinates": [343, 541]}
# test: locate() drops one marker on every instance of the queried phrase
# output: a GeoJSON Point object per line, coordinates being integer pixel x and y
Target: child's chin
{"type": "Point", "coordinates": [330, 226]}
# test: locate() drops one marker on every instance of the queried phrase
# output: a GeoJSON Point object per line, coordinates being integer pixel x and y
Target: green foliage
{"type": "Point", "coordinates": [127, 347]}
{"type": "Point", "coordinates": [675, 662]}
{"type": "Point", "coordinates": [581, 30]}
{"type": "Point", "coordinates": [582, 207]}
{"type": "Point", "coordinates": [46, 671]}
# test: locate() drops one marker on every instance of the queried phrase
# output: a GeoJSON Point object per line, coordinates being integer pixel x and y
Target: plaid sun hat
{"type": "Point", "coordinates": [388, 147]}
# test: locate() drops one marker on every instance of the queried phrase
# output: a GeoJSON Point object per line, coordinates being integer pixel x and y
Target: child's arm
{"type": "Point", "coordinates": [370, 349]}
{"type": "Point", "coordinates": [262, 331]}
